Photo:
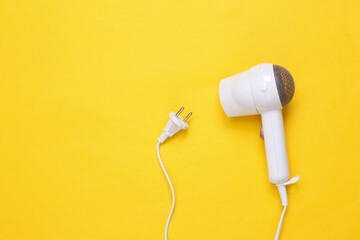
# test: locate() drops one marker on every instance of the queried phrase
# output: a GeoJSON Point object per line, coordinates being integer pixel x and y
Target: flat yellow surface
{"type": "Point", "coordinates": [86, 88]}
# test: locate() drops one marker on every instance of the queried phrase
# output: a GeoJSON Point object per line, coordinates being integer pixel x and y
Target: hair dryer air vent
{"type": "Point", "coordinates": [284, 83]}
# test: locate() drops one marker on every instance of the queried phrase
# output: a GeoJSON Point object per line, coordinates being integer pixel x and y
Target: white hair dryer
{"type": "Point", "coordinates": [264, 89]}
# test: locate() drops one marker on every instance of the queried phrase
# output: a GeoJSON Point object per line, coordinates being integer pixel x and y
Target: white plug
{"type": "Point", "coordinates": [175, 124]}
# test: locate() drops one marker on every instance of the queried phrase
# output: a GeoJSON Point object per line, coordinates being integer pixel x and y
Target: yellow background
{"type": "Point", "coordinates": [86, 88]}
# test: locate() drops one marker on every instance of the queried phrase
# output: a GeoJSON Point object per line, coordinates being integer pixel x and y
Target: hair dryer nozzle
{"type": "Point", "coordinates": [235, 96]}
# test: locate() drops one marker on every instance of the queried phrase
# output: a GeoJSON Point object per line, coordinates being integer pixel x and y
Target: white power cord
{"type": "Point", "coordinates": [172, 191]}
{"type": "Point", "coordinates": [280, 224]}
{"type": "Point", "coordinates": [284, 200]}
{"type": "Point", "coordinates": [175, 124]}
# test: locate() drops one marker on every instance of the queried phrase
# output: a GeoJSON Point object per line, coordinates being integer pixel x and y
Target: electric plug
{"type": "Point", "coordinates": [174, 125]}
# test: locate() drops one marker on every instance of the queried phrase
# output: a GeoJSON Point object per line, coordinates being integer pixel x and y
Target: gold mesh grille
{"type": "Point", "coordinates": [284, 83]}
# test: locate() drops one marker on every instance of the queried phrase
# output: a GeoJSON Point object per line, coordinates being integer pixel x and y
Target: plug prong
{"type": "Point", "coordinates": [178, 113]}
{"type": "Point", "coordinates": [188, 116]}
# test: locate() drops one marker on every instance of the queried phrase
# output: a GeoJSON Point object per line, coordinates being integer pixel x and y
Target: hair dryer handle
{"type": "Point", "coordinates": [275, 146]}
